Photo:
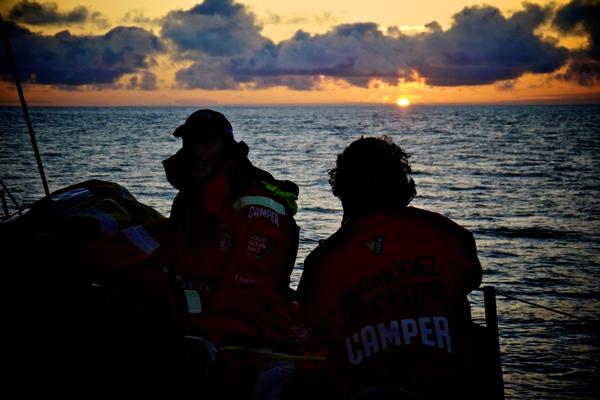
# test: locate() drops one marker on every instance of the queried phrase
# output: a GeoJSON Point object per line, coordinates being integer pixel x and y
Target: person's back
{"type": "Point", "coordinates": [387, 292]}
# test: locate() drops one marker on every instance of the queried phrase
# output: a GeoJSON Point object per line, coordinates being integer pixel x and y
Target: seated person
{"type": "Point", "coordinates": [233, 239]}
{"type": "Point", "coordinates": [218, 268]}
{"type": "Point", "coordinates": [387, 293]}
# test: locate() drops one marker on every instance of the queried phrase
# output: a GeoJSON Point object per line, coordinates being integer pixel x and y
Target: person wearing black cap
{"type": "Point", "coordinates": [232, 247]}
{"type": "Point", "coordinates": [219, 267]}
{"type": "Point", "coordinates": [207, 136]}
{"type": "Point", "coordinates": [234, 236]}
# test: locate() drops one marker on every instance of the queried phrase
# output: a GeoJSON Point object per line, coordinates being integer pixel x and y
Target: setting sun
{"type": "Point", "coordinates": [403, 102]}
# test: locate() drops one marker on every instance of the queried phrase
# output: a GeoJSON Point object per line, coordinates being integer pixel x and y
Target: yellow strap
{"type": "Point", "coordinates": [288, 197]}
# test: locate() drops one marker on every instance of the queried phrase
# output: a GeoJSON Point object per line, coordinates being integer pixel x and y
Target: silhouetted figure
{"type": "Point", "coordinates": [387, 293]}
{"type": "Point", "coordinates": [217, 269]}
{"type": "Point", "coordinates": [234, 239]}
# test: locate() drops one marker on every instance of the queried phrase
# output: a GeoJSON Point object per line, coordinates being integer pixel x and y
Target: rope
{"type": "Point", "coordinates": [537, 305]}
{"type": "Point", "coordinates": [274, 355]}
{"type": "Point", "coordinates": [270, 355]}
{"type": "Point", "coordinates": [20, 208]}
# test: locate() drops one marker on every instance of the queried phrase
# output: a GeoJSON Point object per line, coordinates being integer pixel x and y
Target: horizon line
{"type": "Point", "coordinates": [565, 102]}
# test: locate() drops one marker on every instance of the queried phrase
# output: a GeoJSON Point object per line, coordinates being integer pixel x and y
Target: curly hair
{"type": "Point", "coordinates": [372, 175]}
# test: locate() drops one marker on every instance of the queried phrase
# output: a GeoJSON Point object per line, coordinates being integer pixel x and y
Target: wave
{"type": "Point", "coordinates": [527, 233]}
{"type": "Point", "coordinates": [320, 210]}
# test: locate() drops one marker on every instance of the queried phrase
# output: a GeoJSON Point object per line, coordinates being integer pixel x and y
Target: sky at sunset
{"type": "Point", "coordinates": [174, 53]}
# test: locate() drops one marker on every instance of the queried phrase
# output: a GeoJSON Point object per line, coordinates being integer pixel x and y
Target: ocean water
{"type": "Point", "coordinates": [524, 179]}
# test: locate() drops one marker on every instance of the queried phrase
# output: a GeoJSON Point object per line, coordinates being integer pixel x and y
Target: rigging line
{"type": "Point", "coordinates": [538, 305]}
{"type": "Point", "coordinates": [4, 205]}
{"type": "Point", "coordinates": [12, 198]}
{"type": "Point", "coordinates": [11, 61]}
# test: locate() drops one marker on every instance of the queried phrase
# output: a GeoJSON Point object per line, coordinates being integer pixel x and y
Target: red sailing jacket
{"type": "Point", "coordinates": [234, 273]}
{"type": "Point", "coordinates": [387, 296]}
{"type": "Point", "coordinates": [224, 259]}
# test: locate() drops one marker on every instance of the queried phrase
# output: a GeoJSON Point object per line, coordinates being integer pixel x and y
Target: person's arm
{"type": "Point", "coordinates": [314, 301]}
{"type": "Point", "coordinates": [124, 270]}
{"type": "Point", "coordinates": [473, 267]}
{"type": "Point", "coordinates": [125, 251]}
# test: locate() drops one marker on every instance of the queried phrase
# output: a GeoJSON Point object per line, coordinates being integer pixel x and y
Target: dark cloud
{"type": "Point", "coordinates": [34, 13]}
{"type": "Point", "coordinates": [582, 17]}
{"type": "Point", "coordinates": [65, 59]}
{"type": "Point", "coordinates": [208, 74]}
{"type": "Point", "coordinates": [147, 81]}
{"type": "Point", "coordinates": [217, 28]}
{"type": "Point", "coordinates": [350, 50]}
{"type": "Point", "coordinates": [482, 46]}
{"type": "Point", "coordinates": [584, 71]}
{"type": "Point", "coordinates": [222, 43]}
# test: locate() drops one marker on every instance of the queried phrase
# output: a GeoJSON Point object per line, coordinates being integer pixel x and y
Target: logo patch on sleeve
{"type": "Point", "coordinates": [375, 244]}
{"type": "Point", "coordinates": [259, 246]}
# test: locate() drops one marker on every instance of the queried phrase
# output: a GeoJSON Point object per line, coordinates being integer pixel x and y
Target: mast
{"type": "Point", "coordinates": [11, 62]}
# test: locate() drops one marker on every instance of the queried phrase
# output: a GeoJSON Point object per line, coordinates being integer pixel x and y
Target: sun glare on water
{"type": "Point", "coordinates": [403, 102]}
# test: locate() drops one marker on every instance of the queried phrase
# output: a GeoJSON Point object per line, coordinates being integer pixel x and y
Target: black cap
{"type": "Point", "coordinates": [206, 121]}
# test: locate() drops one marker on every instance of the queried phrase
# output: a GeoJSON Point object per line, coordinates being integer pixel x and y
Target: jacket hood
{"type": "Point", "coordinates": [174, 169]}
{"type": "Point", "coordinates": [238, 172]}
{"type": "Point", "coordinates": [175, 165]}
